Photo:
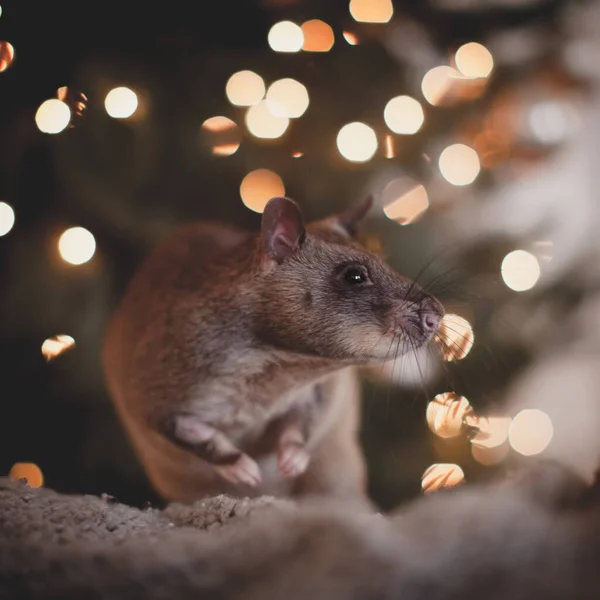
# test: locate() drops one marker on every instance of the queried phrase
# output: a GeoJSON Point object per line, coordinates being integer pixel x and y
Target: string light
{"type": "Point", "coordinates": [287, 98]}
{"type": "Point", "coordinates": [7, 218]}
{"type": "Point", "coordinates": [474, 60]}
{"type": "Point", "coordinates": [404, 114]}
{"type": "Point", "coordinates": [404, 201]}
{"type": "Point", "coordinates": [530, 432]}
{"type": "Point", "coordinates": [446, 414]}
{"type": "Point", "coordinates": [7, 55]}
{"type": "Point", "coordinates": [258, 187]}
{"type": "Point", "coordinates": [441, 475]}
{"type": "Point", "coordinates": [76, 245]}
{"type": "Point", "coordinates": [350, 37]}
{"type": "Point", "coordinates": [438, 83]}
{"type": "Point", "coordinates": [455, 336]}
{"type": "Point", "coordinates": [371, 11]}
{"type": "Point", "coordinates": [459, 164]}
{"type": "Point", "coordinates": [222, 135]}
{"type": "Point", "coordinates": [52, 116]}
{"type": "Point", "coordinates": [520, 270]}
{"type": "Point", "coordinates": [286, 36]}
{"type": "Point", "coordinates": [121, 103]}
{"type": "Point", "coordinates": [245, 88]}
{"type": "Point", "coordinates": [357, 142]}
{"type": "Point", "coordinates": [29, 471]}
{"type": "Point", "coordinates": [318, 36]}
{"type": "Point", "coordinates": [56, 345]}
{"type": "Point", "coordinates": [262, 123]}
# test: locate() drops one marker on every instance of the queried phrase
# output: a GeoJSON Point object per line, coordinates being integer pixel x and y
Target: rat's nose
{"type": "Point", "coordinates": [431, 314]}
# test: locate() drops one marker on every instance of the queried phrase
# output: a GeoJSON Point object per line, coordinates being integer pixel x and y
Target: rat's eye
{"type": "Point", "coordinates": [355, 275]}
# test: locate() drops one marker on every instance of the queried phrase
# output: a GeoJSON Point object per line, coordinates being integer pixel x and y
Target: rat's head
{"type": "Point", "coordinates": [322, 293]}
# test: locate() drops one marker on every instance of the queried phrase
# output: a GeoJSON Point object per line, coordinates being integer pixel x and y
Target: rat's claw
{"type": "Point", "coordinates": [243, 471]}
{"type": "Point", "coordinates": [293, 460]}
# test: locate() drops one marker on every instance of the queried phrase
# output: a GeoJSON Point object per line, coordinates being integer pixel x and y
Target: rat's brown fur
{"type": "Point", "coordinates": [231, 356]}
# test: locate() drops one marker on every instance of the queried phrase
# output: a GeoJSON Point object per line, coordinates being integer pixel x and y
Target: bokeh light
{"type": "Point", "coordinates": [371, 11]}
{"type": "Point", "coordinates": [56, 345]}
{"type": "Point", "coordinates": [245, 88]}
{"type": "Point", "coordinates": [404, 201]}
{"type": "Point", "coordinates": [121, 103]}
{"type": "Point", "coordinates": [76, 245]}
{"type": "Point", "coordinates": [29, 471]}
{"type": "Point", "coordinates": [552, 121]}
{"type": "Point", "coordinates": [286, 36]}
{"type": "Point", "coordinates": [350, 37]}
{"type": "Point", "coordinates": [520, 270]}
{"type": "Point", "coordinates": [404, 114]}
{"type": "Point", "coordinates": [221, 135]}
{"type": "Point", "coordinates": [318, 36]}
{"type": "Point", "coordinates": [474, 60]}
{"type": "Point", "coordinates": [262, 123]}
{"type": "Point", "coordinates": [7, 55]}
{"type": "Point", "coordinates": [258, 187]}
{"type": "Point", "coordinates": [357, 142]}
{"type": "Point", "coordinates": [438, 83]}
{"type": "Point", "coordinates": [441, 475]}
{"type": "Point", "coordinates": [455, 336]}
{"type": "Point", "coordinates": [287, 98]}
{"type": "Point", "coordinates": [530, 432]}
{"type": "Point", "coordinates": [446, 414]}
{"type": "Point", "coordinates": [7, 218]}
{"type": "Point", "coordinates": [52, 116]}
{"type": "Point", "coordinates": [459, 164]}
{"type": "Point", "coordinates": [493, 431]}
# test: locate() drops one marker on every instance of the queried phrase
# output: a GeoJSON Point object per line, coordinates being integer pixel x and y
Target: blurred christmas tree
{"type": "Point", "coordinates": [464, 118]}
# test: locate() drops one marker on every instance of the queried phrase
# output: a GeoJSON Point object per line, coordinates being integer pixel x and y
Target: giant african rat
{"type": "Point", "coordinates": [231, 358]}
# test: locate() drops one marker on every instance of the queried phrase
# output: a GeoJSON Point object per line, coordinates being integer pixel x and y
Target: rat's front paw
{"type": "Point", "coordinates": [293, 458]}
{"type": "Point", "coordinates": [243, 471]}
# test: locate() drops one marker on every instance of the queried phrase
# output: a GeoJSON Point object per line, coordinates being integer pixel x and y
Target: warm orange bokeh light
{"type": "Point", "coordinates": [404, 201]}
{"type": "Point", "coordinates": [222, 135]}
{"type": "Point", "coordinates": [440, 476]}
{"type": "Point", "coordinates": [318, 36]}
{"type": "Point", "coordinates": [371, 11]}
{"type": "Point", "coordinates": [29, 471]}
{"type": "Point", "coordinates": [258, 187]}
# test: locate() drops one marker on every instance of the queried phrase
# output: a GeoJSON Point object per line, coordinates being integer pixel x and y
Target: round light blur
{"type": "Point", "coordinates": [357, 142]}
{"type": "Point", "coordinates": [404, 114]}
{"type": "Point", "coordinates": [459, 164]}
{"type": "Point", "coordinates": [318, 36]}
{"type": "Point", "coordinates": [245, 88]}
{"type": "Point", "coordinates": [474, 60]}
{"type": "Point", "coordinates": [493, 431]}
{"type": "Point", "coordinates": [456, 337]}
{"type": "Point", "coordinates": [445, 414]}
{"type": "Point", "coordinates": [371, 11]}
{"type": "Point", "coordinates": [437, 83]}
{"type": "Point", "coordinates": [258, 187]}
{"type": "Point", "coordinates": [7, 218]}
{"type": "Point", "coordinates": [530, 432]}
{"type": "Point", "coordinates": [121, 103]}
{"type": "Point", "coordinates": [441, 475]}
{"type": "Point", "coordinates": [262, 123]}
{"type": "Point", "coordinates": [287, 98]}
{"type": "Point", "coordinates": [29, 471]}
{"type": "Point", "coordinates": [7, 55]}
{"type": "Point", "coordinates": [350, 37]}
{"type": "Point", "coordinates": [404, 201]}
{"type": "Point", "coordinates": [56, 345]}
{"type": "Point", "coordinates": [221, 135]}
{"type": "Point", "coordinates": [76, 245]}
{"type": "Point", "coordinates": [490, 456]}
{"type": "Point", "coordinates": [52, 116]}
{"type": "Point", "coordinates": [520, 270]}
{"type": "Point", "coordinates": [286, 36]}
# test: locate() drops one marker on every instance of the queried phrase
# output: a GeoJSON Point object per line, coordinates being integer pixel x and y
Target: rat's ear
{"type": "Point", "coordinates": [352, 216]}
{"type": "Point", "coordinates": [282, 228]}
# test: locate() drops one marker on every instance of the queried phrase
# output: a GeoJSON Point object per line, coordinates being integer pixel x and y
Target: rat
{"type": "Point", "coordinates": [232, 358]}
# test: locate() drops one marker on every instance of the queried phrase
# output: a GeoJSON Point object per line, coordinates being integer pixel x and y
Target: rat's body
{"type": "Point", "coordinates": [231, 357]}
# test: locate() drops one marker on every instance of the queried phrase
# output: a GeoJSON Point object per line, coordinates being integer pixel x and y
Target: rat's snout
{"type": "Point", "coordinates": [431, 313]}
